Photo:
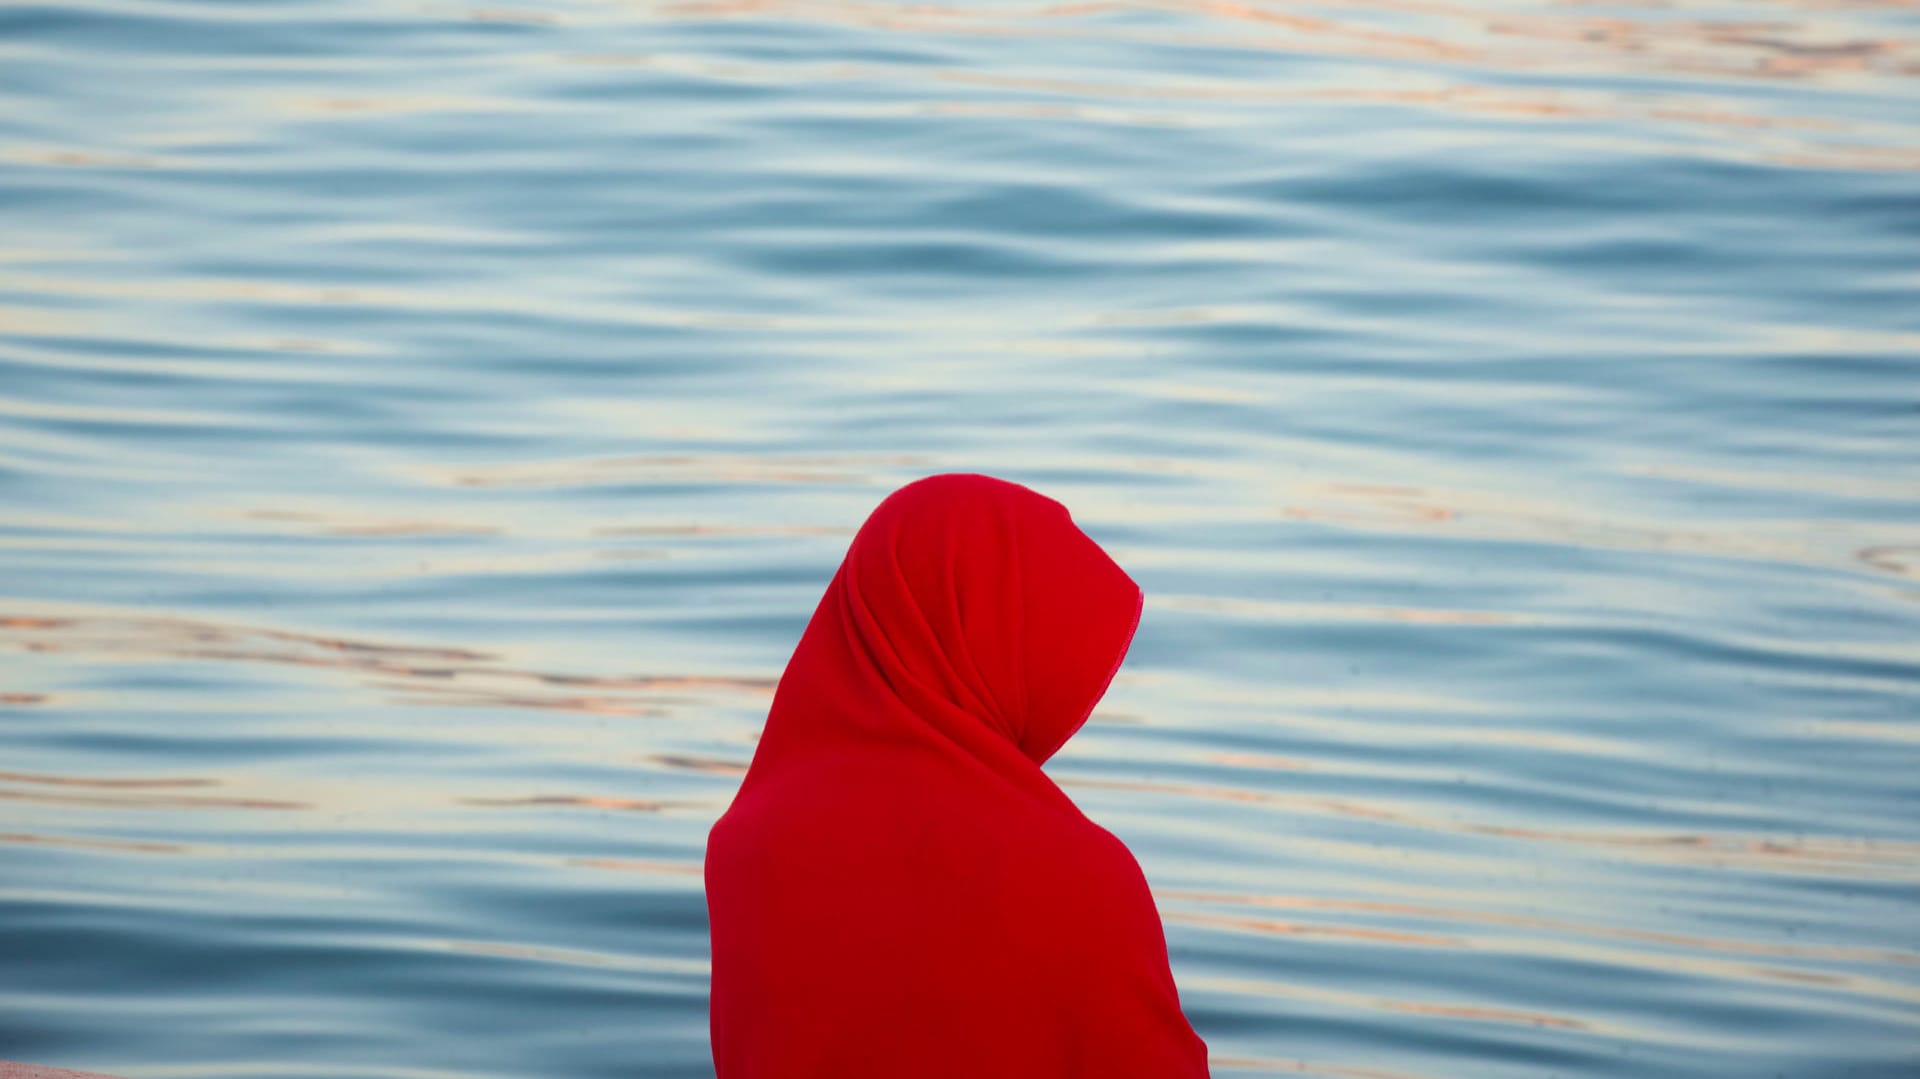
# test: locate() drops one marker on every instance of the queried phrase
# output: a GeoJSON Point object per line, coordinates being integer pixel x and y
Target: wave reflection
{"type": "Point", "coordinates": [1716, 50]}
{"type": "Point", "coordinates": [419, 674]}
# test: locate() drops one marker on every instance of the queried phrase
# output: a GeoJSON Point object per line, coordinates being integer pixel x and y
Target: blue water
{"type": "Point", "coordinates": [425, 429]}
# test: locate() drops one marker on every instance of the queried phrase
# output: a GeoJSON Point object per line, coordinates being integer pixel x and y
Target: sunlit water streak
{"type": "Point", "coordinates": [424, 430]}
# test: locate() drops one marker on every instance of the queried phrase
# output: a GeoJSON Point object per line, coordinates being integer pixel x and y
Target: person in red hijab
{"type": "Point", "coordinates": [897, 890]}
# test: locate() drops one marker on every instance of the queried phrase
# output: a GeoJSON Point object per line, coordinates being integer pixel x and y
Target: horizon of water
{"type": "Point", "coordinates": [425, 429]}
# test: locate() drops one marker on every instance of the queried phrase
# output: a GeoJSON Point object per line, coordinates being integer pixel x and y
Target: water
{"type": "Point", "coordinates": [425, 429]}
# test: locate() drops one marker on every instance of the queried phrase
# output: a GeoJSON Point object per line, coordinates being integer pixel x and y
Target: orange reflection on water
{"type": "Point", "coordinates": [1305, 1067]}
{"type": "Point", "coordinates": [641, 865]}
{"type": "Point", "coordinates": [1888, 732]}
{"type": "Point", "coordinates": [146, 801]}
{"type": "Point", "coordinates": [628, 805]}
{"type": "Point", "coordinates": [724, 530]}
{"type": "Point", "coordinates": [707, 765]}
{"type": "Point", "coordinates": [14, 1070]}
{"type": "Point", "coordinates": [1512, 516]}
{"type": "Point", "coordinates": [420, 674]}
{"type": "Point", "coordinates": [1363, 1001]}
{"type": "Point", "coordinates": [483, 698]}
{"type": "Point", "coordinates": [1302, 929]}
{"type": "Point", "coordinates": [840, 469]}
{"type": "Point", "coordinates": [1391, 33]}
{"type": "Point", "coordinates": [103, 783]}
{"type": "Point", "coordinates": [1463, 34]}
{"type": "Point", "coordinates": [1566, 939]}
{"type": "Point", "coordinates": [1259, 760]}
{"type": "Point", "coordinates": [1725, 47]}
{"type": "Point", "coordinates": [94, 843]}
{"type": "Point", "coordinates": [1903, 561]}
{"type": "Point", "coordinates": [1791, 854]}
{"type": "Point", "coordinates": [373, 528]}
{"type": "Point", "coordinates": [89, 159]}
{"type": "Point", "coordinates": [400, 105]}
{"type": "Point", "coordinates": [36, 322]}
{"type": "Point", "coordinates": [1559, 927]}
{"type": "Point", "coordinates": [1344, 612]}
{"type": "Point", "coordinates": [1485, 1014]}
{"type": "Point", "coordinates": [660, 691]}
{"type": "Point", "coordinates": [512, 16]}
{"type": "Point", "coordinates": [542, 953]}
{"type": "Point", "coordinates": [1813, 855]}
{"type": "Point", "coordinates": [1299, 802]}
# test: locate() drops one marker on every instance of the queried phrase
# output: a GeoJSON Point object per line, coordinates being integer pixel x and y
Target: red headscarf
{"type": "Point", "coordinates": [898, 891]}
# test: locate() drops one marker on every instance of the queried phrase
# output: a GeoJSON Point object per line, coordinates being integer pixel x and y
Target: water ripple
{"type": "Point", "coordinates": [424, 433]}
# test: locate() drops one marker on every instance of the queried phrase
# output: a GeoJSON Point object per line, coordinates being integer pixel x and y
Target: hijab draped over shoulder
{"type": "Point", "coordinates": [898, 891]}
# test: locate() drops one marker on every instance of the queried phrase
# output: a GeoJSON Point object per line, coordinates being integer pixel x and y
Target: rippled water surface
{"type": "Point", "coordinates": [426, 427]}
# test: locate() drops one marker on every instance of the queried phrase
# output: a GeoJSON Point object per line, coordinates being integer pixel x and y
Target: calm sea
{"type": "Point", "coordinates": [425, 428]}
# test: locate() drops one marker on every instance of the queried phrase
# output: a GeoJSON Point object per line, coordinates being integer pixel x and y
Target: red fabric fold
{"type": "Point", "coordinates": [897, 889]}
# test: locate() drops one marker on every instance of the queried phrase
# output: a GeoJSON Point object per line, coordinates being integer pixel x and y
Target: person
{"type": "Point", "coordinates": [897, 890]}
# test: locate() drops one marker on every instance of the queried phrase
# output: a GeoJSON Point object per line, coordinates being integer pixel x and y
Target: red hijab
{"type": "Point", "coordinates": [898, 891]}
